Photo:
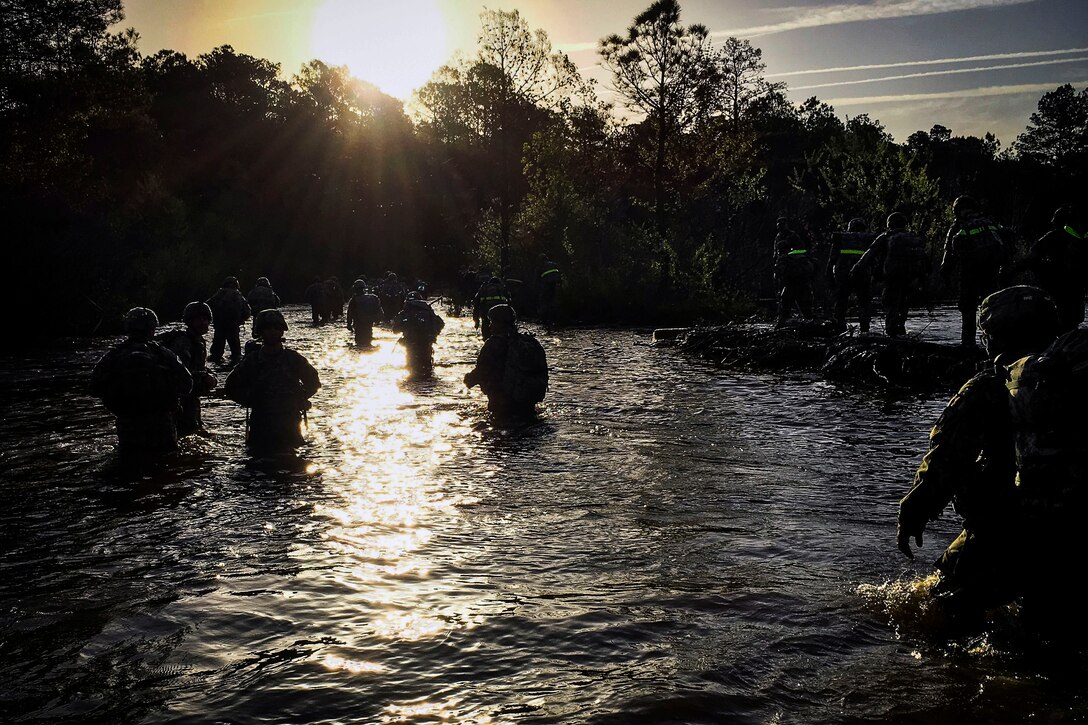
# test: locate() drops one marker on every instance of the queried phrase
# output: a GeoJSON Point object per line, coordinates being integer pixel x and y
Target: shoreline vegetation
{"type": "Point", "coordinates": [133, 179]}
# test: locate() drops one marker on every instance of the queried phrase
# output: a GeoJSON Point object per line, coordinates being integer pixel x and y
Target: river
{"type": "Point", "coordinates": [669, 543]}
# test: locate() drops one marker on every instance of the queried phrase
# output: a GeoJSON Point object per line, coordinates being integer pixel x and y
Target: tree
{"type": "Point", "coordinates": [1058, 132]}
{"type": "Point", "coordinates": [661, 70]}
{"type": "Point", "coordinates": [741, 68]}
{"type": "Point", "coordinates": [513, 86]}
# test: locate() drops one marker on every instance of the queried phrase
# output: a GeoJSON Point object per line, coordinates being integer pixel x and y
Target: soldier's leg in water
{"type": "Point", "coordinates": [864, 295]}
{"type": "Point", "coordinates": [968, 305]}
{"type": "Point", "coordinates": [804, 298]}
{"type": "Point", "coordinates": [842, 299]}
{"type": "Point", "coordinates": [219, 341]}
{"type": "Point", "coordinates": [235, 343]}
{"type": "Point", "coordinates": [785, 303]}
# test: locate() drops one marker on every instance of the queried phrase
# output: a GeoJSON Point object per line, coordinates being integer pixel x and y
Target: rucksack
{"type": "Point", "coordinates": [906, 256]}
{"type": "Point", "coordinates": [1048, 395]}
{"type": "Point", "coordinates": [369, 307]}
{"type": "Point", "coordinates": [525, 378]}
{"type": "Point", "coordinates": [140, 381]}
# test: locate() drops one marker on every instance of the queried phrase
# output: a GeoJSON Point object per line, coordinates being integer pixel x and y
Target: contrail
{"type": "Point", "coordinates": [968, 93]}
{"type": "Point", "coordinates": [935, 61]}
{"type": "Point", "coordinates": [950, 71]}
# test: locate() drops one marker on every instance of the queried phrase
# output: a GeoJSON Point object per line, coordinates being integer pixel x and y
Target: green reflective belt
{"type": "Point", "coordinates": [977, 230]}
{"type": "Point", "coordinates": [797, 251]}
{"type": "Point", "coordinates": [492, 299]}
{"type": "Point", "coordinates": [549, 271]}
{"type": "Point", "coordinates": [851, 251]}
{"type": "Point", "coordinates": [1072, 231]}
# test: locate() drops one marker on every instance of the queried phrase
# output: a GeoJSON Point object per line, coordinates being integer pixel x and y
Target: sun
{"type": "Point", "coordinates": [394, 44]}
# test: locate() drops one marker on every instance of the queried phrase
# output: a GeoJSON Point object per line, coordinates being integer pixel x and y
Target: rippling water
{"type": "Point", "coordinates": [669, 543]}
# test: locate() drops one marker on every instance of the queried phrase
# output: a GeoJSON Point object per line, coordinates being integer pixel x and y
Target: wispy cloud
{"type": "Point", "coordinates": [933, 61]}
{"type": "Point", "coordinates": [946, 72]}
{"type": "Point", "coordinates": [944, 95]}
{"type": "Point", "coordinates": [813, 17]}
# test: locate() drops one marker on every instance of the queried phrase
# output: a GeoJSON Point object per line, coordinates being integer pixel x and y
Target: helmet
{"type": "Point", "coordinates": [268, 318]}
{"type": "Point", "coordinates": [141, 322]}
{"type": "Point", "coordinates": [263, 282]}
{"type": "Point", "coordinates": [1017, 318]}
{"type": "Point", "coordinates": [897, 220]}
{"type": "Point", "coordinates": [502, 314]}
{"type": "Point", "coordinates": [231, 282]}
{"type": "Point", "coordinates": [358, 286]}
{"type": "Point", "coordinates": [194, 310]}
{"type": "Point", "coordinates": [413, 295]}
{"type": "Point", "coordinates": [856, 225]}
{"type": "Point", "coordinates": [494, 280]}
{"type": "Point", "coordinates": [414, 303]}
{"type": "Point", "coordinates": [963, 204]}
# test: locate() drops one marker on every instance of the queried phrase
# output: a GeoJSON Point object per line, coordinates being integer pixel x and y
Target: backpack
{"type": "Point", "coordinates": [1048, 393]}
{"type": "Point", "coordinates": [525, 378]}
{"type": "Point", "coordinates": [368, 307]}
{"type": "Point", "coordinates": [140, 381]}
{"type": "Point", "coordinates": [906, 256]}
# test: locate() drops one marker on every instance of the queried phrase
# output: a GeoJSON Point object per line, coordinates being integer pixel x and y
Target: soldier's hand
{"type": "Point", "coordinates": [902, 540]}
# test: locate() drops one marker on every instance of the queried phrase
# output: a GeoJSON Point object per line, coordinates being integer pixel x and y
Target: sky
{"type": "Point", "coordinates": [974, 66]}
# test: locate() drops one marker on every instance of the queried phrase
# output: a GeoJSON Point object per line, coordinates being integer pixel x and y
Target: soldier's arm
{"type": "Point", "coordinates": [955, 444]}
{"type": "Point", "coordinates": [308, 376]}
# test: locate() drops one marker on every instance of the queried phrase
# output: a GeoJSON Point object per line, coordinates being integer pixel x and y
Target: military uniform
{"type": "Point", "coordinates": [846, 249]}
{"type": "Point", "coordinates": [1060, 263]}
{"type": "Point", "coordinates": [229, 310]}
{"type": "Point", "coordinates": [192, 352]}
{"type": "Point", "coordinates": [140, 383]}
{"type": "Point", "coordinates": [420, 327]}
{"type": "Point", "coordinates": [363, 311]}
{"type": "Point", "coordinates": [975, 252]}
{"type": "Point", "coordinates": [793, 272]}
{"type": "Point", "coordinates": [971, 463]}
{"type": "Point", "coordinates": [315, 297]}
{"type": "Point", "coordinates": [276, 385]}
{"type": "Point", "coordinates": [262, 298]}
{"type": "Point", "coordinates": [491, 293]}
{"type": "Point", "coordinates": [898, 257]}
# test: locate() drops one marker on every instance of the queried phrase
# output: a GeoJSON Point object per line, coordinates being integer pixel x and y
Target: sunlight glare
{"type": "Point", "coordinates": [395, 46]}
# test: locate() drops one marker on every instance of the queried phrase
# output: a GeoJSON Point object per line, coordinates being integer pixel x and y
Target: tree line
{"type": "Point", "coordinates": [132, 179]}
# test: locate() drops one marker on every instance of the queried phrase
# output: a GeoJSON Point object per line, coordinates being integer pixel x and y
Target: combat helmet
{"type": "Point", "coordinates": [358, 286]}
{"type": "Point", "coordinates": [897, 220]}
{"type": "Point", "coordinates": [140, 322]}
{"type": "Point", "coordinates": [231, 282]}
{"type": "Point", "coordinates": [193, 310]}
{"type": "Point", "coordinates": [1019, 318]}
{"type": "Point", "coordinates": [268, 318]}
{"type": "Point", "coordinates": [502, 314]}
{"type": "Point", "coordinates": [857, 224]}
{"type": "Point", "coordinates": [263, 282]}
{"type": "Point", "coordinates": [964, 204]}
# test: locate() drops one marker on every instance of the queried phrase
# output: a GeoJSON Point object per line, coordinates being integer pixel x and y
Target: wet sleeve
{"type": "Point", "coordinates": [311, 383]}
{"type": "Point", "coordinates": [100, 374]}
{"type": "Point", "coordinates": [955, 445]}
{"type": "Point", "coordinates": [183, 380]}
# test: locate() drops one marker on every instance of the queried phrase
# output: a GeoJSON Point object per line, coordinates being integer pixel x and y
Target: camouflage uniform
{"type": "Point", "coordinates": [363, 311]}
{"type": "Point", "coordinates": [898, 257]}
{"type": "Point", "coordinates": [971, 463]}
{"type": "Point", "coordinates": [140, 383]}
{"type": "Point", "coordinates": [846, 249]}
{"type": "Point", "coordinates": [262, 298]}
{"type": "Point", "coordinates": [192, 352]}
{"type": "Point", "coordinates": [793, 272]}
{"type": "Point", "coordinates": [491, 293]}
{"type": "Point", "coordinates": [276, 385]}
{"type": "Point", "coordinates": [975, 251]}
{"type": "Point", "coordinates": [229, 310]}
{"type": "Point", "coordinates": [1060, 263]}
{"type": "Point", "coordinates": [420, 327]}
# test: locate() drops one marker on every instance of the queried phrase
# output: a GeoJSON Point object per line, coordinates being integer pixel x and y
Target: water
{"type": "Point", "coordinates": [669, 543]}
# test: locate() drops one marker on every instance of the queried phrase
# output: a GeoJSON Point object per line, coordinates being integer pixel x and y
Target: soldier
{"type": "Point", "coordinates": [971, 460]}
{"type": "Point", "coordinates": [1059, 261]}
{"type": "Point", "coordinates": [262, 297]}
{"type": "Point", "coordinates": [140, 382]}
{"type": "Point", "coordinates": [391, 293]}
{"type": "Point", "coordinates": [364, 310]}
{"type": "Point", "coordinates": [793, 272]}
{"type": "Point", "coordinates": [975, 252]}
{"type": "Point", "coordinates": [419, 327]}
{"type": "Point", "coordinates": [846, 249]}
{"type": "Point", "coordinates": [192, 351]}
{"type": "Point", "coordinates": [549, 279]}
{"type": "Point", "coordinates": [276, 383]}
{"type": "Point", "coordinates": [899, 258]}
{"type": "Point", "coordinates": [229, 311]}
{"type": "Point", "coordinates": [492, 292]}
{"type": "Point", "coordinates": [315, 296]}
{"type": "Point", "coordinates": [334, 298]}
{"type": "Point", "coordinates": [511, 368]}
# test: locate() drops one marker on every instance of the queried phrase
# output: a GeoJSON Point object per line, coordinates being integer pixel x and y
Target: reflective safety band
{"type": "Point", "coordinates": [851, 251]}
{"type": "Point", "coordinates": [546, 272]}
{"type": "Point", "coordinates": [1071, 230]}
{"type": "Point", "coordinates": [798, 251]}
{"type": "Point", "coordinates": [492, 299]}
{"type": "Point", "coordinates": [977, 230]}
